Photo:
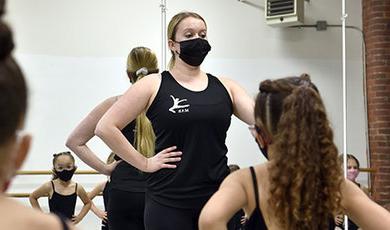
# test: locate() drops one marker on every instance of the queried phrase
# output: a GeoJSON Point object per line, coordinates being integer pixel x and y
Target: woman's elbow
{"type": "Point", "coordinates": [88, 204]}
{"type": "Point", "coordinates": [70, 143]}
{"type": "Point", "coordinates": [100, 129]}
{"type": "Point", "coordinates": [32, 199]}
{"type": "Point", "coordinates": [207, 221]}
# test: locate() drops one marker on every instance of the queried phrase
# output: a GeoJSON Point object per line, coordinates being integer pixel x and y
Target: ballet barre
{"type": "Point", "coordinates": [91, 172]}
{"type": "Point", "coordinates": [368, 170]}
{"type": "Point", "coordinates": [49, 172]}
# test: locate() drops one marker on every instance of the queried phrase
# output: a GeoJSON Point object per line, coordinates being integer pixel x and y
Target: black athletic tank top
{"type": "Point", "coordinates": [256, 220]}
{"type": "Point", "coordinates": [63, 204]}
{"type": "Point", "coordinates": [125, 177]}
{"type": "Point", "coordinates": [105, 192]}
{"type": "Point", "coordinates": [195, 122]}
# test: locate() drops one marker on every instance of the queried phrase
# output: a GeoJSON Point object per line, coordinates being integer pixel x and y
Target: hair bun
{"type": "Point", "coordinates": [274, 86]}
{"type": "Point", "coordinates": [305, 77]}
{"type": "Point", "coordinates": [6, 41]}
{"type": "Point", "coordinates": [267, 86]}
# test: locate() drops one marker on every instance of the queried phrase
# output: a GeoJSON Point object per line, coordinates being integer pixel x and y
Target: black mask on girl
{"type": "Point", "coordinates": [264, 150]}
{"type": "Point", "coordinates": [194, 51]}
{"type": "Point", "coordinates": [65, 175]}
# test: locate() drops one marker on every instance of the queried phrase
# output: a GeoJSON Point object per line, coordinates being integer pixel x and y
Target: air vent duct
{"type": "Point", "coordinates": [284, 12]}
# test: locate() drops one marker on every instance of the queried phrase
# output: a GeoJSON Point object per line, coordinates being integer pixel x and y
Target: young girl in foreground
{"type": "Point", "coordinates": [301, 186]}
{"type": "Point", "coordinates": [62, 191]}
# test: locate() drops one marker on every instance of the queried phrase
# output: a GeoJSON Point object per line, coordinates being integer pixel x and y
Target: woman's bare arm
{"type": "Point", "coordinates": [243, 104]}
{"type": "Point", "coordinates": [228, 200]}
{"type": "Point", "coordinates": [92, 194]}
{"type": "Point", "coordinates": [87, 204]}
{"type": "Point", "coordinates": [362, 210]}
{"type": "Point", "coordinates": [126, 109]}
{"type": "Point", "coordinates": [43, 191]}
{"type": "Point", "coordinates": [77, 140]}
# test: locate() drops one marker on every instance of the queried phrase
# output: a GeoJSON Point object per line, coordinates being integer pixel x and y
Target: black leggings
{"type": "Point", "coordinates": [161, 217]}
{"type": "Point", "coordinates": [125, 210]}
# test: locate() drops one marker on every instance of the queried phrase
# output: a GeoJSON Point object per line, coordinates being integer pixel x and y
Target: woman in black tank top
{"type": "Point", "coordinates": [125, 199]}
{"type": "Point", "coordinates": [189, 110]}
{"type": "Point", "coordinates": [301, 186]}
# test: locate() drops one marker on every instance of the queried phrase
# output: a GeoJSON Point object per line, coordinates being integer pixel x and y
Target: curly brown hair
{"type": "Point", "coordinates": [305, 175]}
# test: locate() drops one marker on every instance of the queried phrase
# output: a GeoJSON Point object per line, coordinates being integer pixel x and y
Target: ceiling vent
{"type": "Point", "coordinates": [284, 12]}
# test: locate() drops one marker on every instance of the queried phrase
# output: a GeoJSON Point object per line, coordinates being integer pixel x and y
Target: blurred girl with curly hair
{"type": "Point", "coordinates": [301, 186]}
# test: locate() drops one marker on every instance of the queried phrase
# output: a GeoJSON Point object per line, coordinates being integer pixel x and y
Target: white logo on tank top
{"type": "Point", "coordinates": [176, 108]}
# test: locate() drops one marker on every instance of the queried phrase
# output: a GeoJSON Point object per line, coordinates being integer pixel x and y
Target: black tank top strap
{"type": "Point", "coordinates": [256, 190]}
{"type": "Point", "coordinates": [76, 188]}
{"type": "Point", "coordinates": [52, 185]}
{"type": "Point", "coordinates": [63, 221]}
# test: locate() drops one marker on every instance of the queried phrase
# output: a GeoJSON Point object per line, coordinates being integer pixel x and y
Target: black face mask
{"type": "Point", "coordinates": [65, 175]}
{"type": "Point", "coordinates": [194, 51]}
{"type": "Point", "coordinates": [264, 151]}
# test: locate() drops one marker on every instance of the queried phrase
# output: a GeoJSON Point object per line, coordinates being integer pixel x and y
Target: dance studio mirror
{"type": "Point", "coordinates": [73, 54]}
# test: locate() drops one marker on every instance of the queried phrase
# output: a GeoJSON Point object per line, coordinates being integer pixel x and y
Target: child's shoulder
{"type": "Point", "coordinates": [48, 185]}
{"type": "Point", "coordinates": [27, 217]}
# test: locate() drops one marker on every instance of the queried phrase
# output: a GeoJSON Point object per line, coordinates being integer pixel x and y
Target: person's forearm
{"type": "Point", "coordinates": [114, 139]}
{"type": "Point", "coordinates": [95, 209]}
{"type": "Point", "coordinates": [34, 203]}
{"type": "Point", "coordinates": [212, 225]}
{"type": "Point", "coordinates": [84, 210]}
{"type": "Point", "coordinates": [88, 157]}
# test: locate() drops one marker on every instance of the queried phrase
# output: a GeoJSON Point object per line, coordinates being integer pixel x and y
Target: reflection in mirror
{"type": "Point", "coordinates": [75, 58]}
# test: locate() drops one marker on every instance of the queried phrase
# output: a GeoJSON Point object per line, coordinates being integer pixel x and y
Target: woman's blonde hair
{"type": "Point", "coordinates": [110, 158]}
{"type": "Point", "coordinates": [172, 28]}
{"type": "Point", "coordinates": [141, 62]}
{"type": "Point", "coordinates": [305, 176]}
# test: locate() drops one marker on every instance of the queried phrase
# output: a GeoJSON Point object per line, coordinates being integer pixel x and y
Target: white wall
{"type": "Point", "coordinates": [74, 52]}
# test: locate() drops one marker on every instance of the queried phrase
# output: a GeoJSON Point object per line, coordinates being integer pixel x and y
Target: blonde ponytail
{"type": "Point", "coordinates": [145, 137]}
{"type": "Point", "coordinates": [141, 62]}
